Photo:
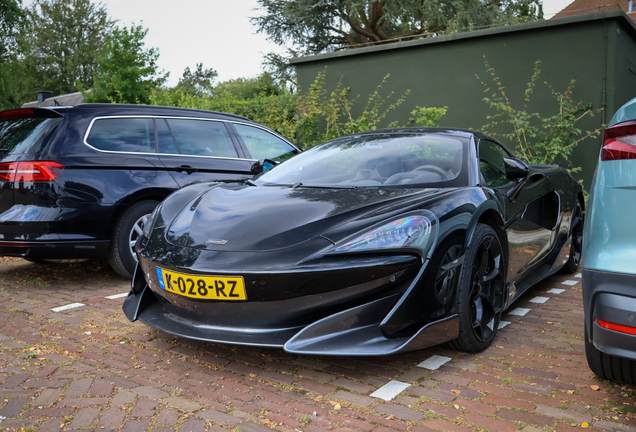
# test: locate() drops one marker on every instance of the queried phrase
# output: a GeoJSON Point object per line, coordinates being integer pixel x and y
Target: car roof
{"type": "Point", "coordinates": [466, 133]}
{"type": "Point", "coordinates": [126, 109]}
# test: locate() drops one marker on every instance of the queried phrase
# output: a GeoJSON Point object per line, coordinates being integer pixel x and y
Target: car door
{"type": "Point", "coordinates": [531, 217]}
{"type": "Point", "coordinates": [199, 150]}
{"type": "Point", "coordinates": [260, 143]}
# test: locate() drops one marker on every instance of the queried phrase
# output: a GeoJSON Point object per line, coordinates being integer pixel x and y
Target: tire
{"type": "Point", "coordinates": [127, 229]}
{"type": "Point", "coordinates": [576, 247]}
{"type": "Point", "coordinates": [480, 291]}
{"type": "Point", "coordinates": [609, 367]}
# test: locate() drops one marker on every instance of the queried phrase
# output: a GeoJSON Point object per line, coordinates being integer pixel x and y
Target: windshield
{"type": "Point", "coordinates": [413, 160]}
{"type": "Point", "coordinates": [25, 135]}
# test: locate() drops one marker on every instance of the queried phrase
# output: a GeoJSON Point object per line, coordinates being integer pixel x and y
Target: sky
{"type": "Point", "coordinates": [217, 33]}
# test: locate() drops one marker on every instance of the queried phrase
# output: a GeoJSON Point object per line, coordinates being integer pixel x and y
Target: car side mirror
{"type": "Point", "coordinates": [262, 165]}
{"type": "Point", "coordinates": [516, 169]}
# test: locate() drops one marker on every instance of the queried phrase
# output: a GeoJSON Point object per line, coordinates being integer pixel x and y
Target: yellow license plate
{"type": "Point", "coordinates": [202, 287]}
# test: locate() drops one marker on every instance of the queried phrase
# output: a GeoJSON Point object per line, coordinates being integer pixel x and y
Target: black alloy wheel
{"type": "Point", "coordinates": [576, 245]}
{"type": "Point", "coordinates": [480, 293]}
{"type": "Point", "coordinates": [446, 277]}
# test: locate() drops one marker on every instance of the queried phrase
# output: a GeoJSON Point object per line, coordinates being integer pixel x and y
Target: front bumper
{"type": "Point", "coordinates": [611, 298]}
{"type": "Point", "coordinates": [343, 321]}
{"type": "Point", "coordinates": [352, 332]}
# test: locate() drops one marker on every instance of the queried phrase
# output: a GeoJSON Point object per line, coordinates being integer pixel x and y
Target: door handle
{"type": "Point", "coordinates": [186, 168]}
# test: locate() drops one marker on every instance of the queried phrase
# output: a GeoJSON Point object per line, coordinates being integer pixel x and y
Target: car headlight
{"type": "Point", "coordinates": [417, 230]}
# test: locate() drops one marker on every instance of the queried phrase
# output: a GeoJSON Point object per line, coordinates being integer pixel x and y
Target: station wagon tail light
{"type": "Point", "coordinates": [30, 171]}
{"type": "Point", "coordinates": [619, 142]}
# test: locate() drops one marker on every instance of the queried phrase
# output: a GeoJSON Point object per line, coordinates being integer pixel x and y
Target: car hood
{"type": "Point", "coordinates": [248, 218]}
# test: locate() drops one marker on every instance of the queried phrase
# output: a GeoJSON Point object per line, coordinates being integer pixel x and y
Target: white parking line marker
{"type": "Point", "coordinates": [578, 275]}
{"type": "Point", "coordinates": [116, 296]}
{"type": "Point", "coordinates": [503, 324]}
{"type": "Point", "coordinates": [390, 390]}
{"type": "Point", "coordinates": [540, 300]}
{"type": "Point", "coordinates": [68, 306]}
{"type": "Point", "coordinates": [434, 362]}
{"type": "Point", "coordinates": [520, 312]}
{"type": "Point", "coordinates": [556, 291]}
{"type": "Point", "coordinates": [569, 282]}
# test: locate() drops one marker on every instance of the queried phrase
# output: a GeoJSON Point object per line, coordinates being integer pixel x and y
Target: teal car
{"type": "Point", "coordinates": [609, 254]}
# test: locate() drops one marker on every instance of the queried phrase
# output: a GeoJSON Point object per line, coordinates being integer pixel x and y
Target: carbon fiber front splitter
{"type": "Point", "coordinates": [352, 332]}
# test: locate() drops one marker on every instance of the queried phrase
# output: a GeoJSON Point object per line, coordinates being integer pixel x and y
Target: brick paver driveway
{"type": "Point", "coordinates": [87, 367]}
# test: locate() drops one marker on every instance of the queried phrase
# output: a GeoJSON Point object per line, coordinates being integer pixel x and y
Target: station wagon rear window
{"type": "Point", "coordinates": [25, 135]}
{"type": "Point", "coordinates": [133, 135]}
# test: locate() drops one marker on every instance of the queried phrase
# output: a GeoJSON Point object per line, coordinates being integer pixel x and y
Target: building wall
{"type": "Point", "coordinates": [450, 71]}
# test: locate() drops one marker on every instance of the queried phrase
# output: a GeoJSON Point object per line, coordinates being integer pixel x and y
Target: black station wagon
{"type": "Point", "coordinates": [80, 182]}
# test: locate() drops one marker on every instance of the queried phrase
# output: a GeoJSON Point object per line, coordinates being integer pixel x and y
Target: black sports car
{"type": "Point", "coordinates": [369, 244]}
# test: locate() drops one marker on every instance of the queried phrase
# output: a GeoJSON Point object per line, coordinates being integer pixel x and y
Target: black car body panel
{"type": "Point", "coordinates": [74, 215]}
{"type": "Point", "coordinates": [308, 293]}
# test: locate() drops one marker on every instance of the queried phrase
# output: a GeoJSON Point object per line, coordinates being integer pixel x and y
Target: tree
{"type": "Point", "coordinates": [12, 43]}
{"type": "Point", "coordinates": [66, 35]}
{"type": "Point", "coordinates": [127, 72]}
{"type": "Point", "coordinates": [248, 88]}
{"type": "Point", "coordinates": [197, 83]}
{"type": "Point", "coordinates": [314, 26]}
{"type": "Point", "coordinates": [11, 27]}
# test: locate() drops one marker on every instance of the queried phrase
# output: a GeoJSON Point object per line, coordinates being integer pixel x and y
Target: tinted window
{"type": "Point", "coordinates": [22, 135]}
{"type": "Point", "coordinates": [136, 135]}
{"type": "Point", "coordinates": [491, 163]}
{"type": "Point", "coordinates": [165, 142]}
{"type": "Point", "coordinates": [264, 145]}
{"type": "Point", "coordinates": [374, 160]}
{"type": "Point", "coordinates": [202, 138]}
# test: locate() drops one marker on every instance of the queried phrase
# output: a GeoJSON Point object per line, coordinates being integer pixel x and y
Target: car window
{"type": "Point", "coordinates": [390, 159]}
{"type": "Point", "coordinates": [264, 145]}
{"type": "Point", "coordinates": [491, 163]}
{"type": "Point", "coordinates": [135, 135]}
{"type": "Point", "coordinates": [165, 142]}
{"type": "Point", "coordinates": [202, 138]}
{"type": "Point", "coordinates": [25, 135]}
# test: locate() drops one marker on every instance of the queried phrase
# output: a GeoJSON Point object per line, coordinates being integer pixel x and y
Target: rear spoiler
{"type": "Point", "coordinates": [20, 113]}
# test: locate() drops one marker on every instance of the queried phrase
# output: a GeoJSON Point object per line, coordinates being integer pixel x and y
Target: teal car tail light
{"type": "Point", "coordinates": [416, 230]}
{"type": "Point", "coordinates": [619, 142]}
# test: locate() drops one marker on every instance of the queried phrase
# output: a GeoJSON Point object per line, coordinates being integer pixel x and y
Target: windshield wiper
{"type": "Point", "coordinates": [297, 185]}
{"type": "Point", "coordinates": [302, 185]}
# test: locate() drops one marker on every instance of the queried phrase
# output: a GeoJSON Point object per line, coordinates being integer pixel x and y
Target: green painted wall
{"type": "Point", "coordinates": [594, 49]}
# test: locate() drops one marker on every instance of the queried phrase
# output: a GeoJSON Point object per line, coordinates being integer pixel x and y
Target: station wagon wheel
{"type": "Point", "coordinates": [128, 228]}
{"type": "Point", "coordinates": [576, 245]}
{"type": "Point", "coordinates": [480, 292]}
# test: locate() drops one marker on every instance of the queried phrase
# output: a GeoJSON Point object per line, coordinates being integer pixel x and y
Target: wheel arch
{"type": "Point", "coordinates": [581, 199]}
{"type": "Point", "coordinates": [487, 214]}
{"type": "Point", "coordinates": [150, 194]}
